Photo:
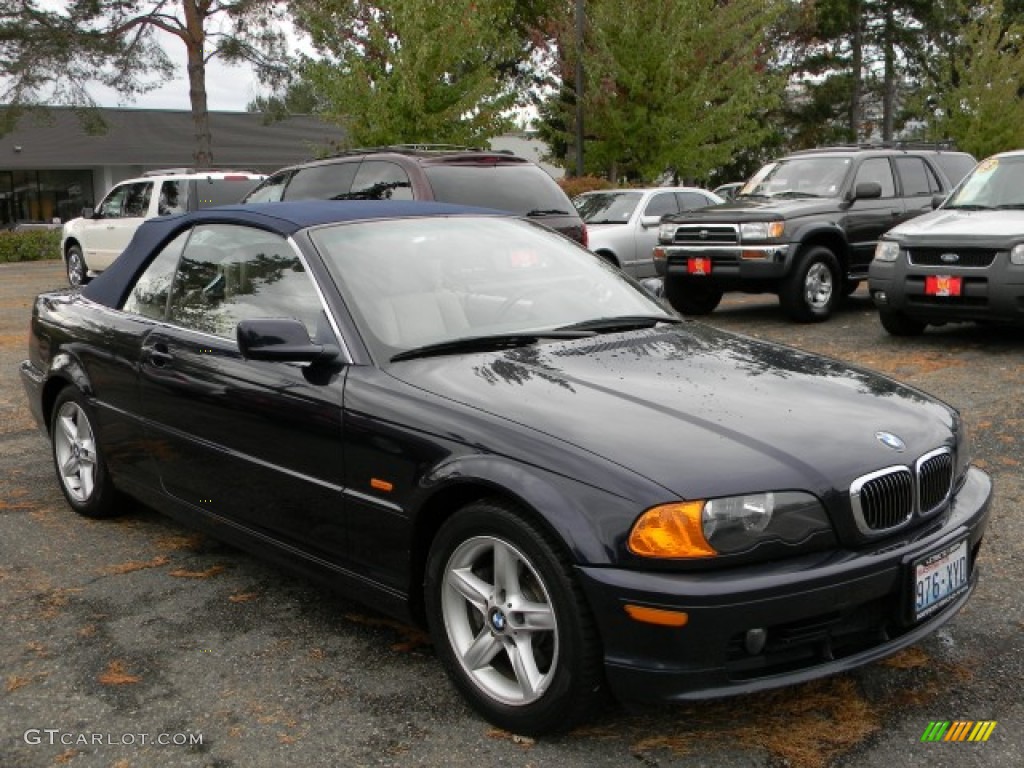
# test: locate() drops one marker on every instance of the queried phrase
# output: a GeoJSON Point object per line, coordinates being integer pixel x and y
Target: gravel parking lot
{"type": "Point", "coordinates": [136, 643]}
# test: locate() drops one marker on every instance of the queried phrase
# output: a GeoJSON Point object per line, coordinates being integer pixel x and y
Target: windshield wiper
{"type": "Point", "coordinates": [547, 212]}
{"type": "Point", "coordinates": [623, 323]}
{"type": "Point", "coordinates": [487, 343]}
{"type": "Point", "coordinates": [970, 207]}
{"type": "Point", "coordinates": [1009, 207]}
{"type": "Point", "coordinates": [791, 193]}
{"type": "Point", "coordinates": [604, 221]}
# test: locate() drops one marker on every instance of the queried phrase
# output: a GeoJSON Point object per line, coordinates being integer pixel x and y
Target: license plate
{"type": "Point", "coordinates": [939, 578]}
{"type": "Point", "coordinates": [698, 266]}
{"type": "Point", "coordinates": [943, 285]}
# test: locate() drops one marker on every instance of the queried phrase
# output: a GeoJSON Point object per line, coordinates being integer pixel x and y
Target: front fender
{"type": "Point", "coordinates": [592, 523]}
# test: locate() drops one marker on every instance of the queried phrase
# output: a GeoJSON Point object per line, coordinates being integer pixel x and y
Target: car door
{"type": "Point", "coordinates": [638, 261]}
{"type": "Point", "coordinates": [97, 233]}
{"type": "Point", "coordinates": [918, 185]}
{"type": "Point", "coordinates": [868, 219]}
{"type": "Point", "coordinates": [251, 444]}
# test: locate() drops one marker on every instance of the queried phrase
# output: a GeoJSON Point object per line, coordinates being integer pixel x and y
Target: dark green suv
{"type": "Point", "coordinates": [804, 227]}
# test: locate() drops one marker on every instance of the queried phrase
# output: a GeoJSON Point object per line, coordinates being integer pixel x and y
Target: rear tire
{"type": "Point", "coordinates": [510, 622]}
{"type": "Point", "coordinates": [900, 324]}
{"type": "Point", "coordinates": [810, 294]}
{"type": "Point", "coordinates": [692, 297]}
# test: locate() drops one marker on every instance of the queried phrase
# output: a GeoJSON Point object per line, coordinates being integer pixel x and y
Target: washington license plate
{"type": "Point", "coordinates": [939, 578]}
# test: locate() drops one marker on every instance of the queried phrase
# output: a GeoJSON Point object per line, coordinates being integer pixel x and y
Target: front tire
{"type": "Point", "coordinates": [899, 324]}
{"type": "Point", "coordinates": [509, 621]}
{"type": "Point", "coordinates": [81, 468]}
{"type": "Point", "coordinates": [692, 296]}
{"type": "Point", "coordinates": [810, 294]}
{"type": "Point", "coordinates": [78, 274]}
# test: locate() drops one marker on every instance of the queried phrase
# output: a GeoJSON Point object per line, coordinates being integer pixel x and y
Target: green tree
{"type": "Point", "coordinates": [413, 71]}
{"type": "Point", "coordinates": [673, 84]}
{"type": "Point", "coordinates": [975, 95]}
{"type": "Point", "coordinates": [51, 53]}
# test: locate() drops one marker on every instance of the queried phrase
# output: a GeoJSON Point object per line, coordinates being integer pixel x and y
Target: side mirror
{"type": "Point", "coordinates": [867, 190]}
{"type": "Point", "coordinates": [282, 340]}
{"type": "Point", "coordinates": [88, 213]}
{"type": "Point", "coordinates": [650, 221]}
{"type": "Point", "coordinates": [937, 200]}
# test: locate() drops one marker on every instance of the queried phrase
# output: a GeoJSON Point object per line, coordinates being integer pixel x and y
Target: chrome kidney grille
{"type": "Point", "coordinates": [888, 499]}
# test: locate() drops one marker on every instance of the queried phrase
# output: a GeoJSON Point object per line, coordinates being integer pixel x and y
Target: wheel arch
{"type": "Point", "coordinates": [609, 255]}
{"type": "Point", "coordinates": [64, 372]}
{"type": "Point", "coordinates": [565, 524]}
{"type": "Point", "coordinates": [66, 246]}
{"type": "Point", "coordinates": [831, 238]}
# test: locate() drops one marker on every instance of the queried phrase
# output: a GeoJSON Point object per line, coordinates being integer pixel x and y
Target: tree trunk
{"type": "Point", "coordinates": [889, 76]}
{"type": "Point", "coordinates": [856, 68]}
{"type": "Point", "coordinates": [195, 44]}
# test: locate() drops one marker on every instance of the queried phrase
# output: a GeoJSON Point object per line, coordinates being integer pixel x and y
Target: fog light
{"type": "Point", "coordinates": [755, 640]}
{"type": "Point", "coordinates": [880, 297]}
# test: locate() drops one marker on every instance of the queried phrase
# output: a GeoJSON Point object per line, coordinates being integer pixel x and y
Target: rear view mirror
{"type": "Point", "coordinates": [867, 190]}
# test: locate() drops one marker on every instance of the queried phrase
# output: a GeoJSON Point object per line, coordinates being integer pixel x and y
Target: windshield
{"type": "Point", "coordinates": [810, 176]}
{"type": "Point", "coordinates": [997, 182]}
{"type": "Point", "coordinates": [607, 207]}
{"type": "Point", "coordinates": [415, 282]}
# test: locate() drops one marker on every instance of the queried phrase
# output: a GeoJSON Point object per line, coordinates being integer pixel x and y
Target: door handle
{"type": "Point", "coordinates": [158, 356]}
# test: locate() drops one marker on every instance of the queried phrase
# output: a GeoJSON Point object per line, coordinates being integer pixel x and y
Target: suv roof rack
{"type": "Point", "coordinates": [414, 149]}
{"type": "Point", "coordinates": [197, 171]}
{"type": "Point", "coordinates": [937, 146]}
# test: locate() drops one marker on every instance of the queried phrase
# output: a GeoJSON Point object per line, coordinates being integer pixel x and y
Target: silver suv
{"type": "Point", "coordinates": [963, 261]}
{"type": "Point", "coordinates": [90, 243]}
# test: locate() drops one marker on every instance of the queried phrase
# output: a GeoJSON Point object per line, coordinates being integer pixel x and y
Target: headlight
{"type": "Point", "coordinates": [1017, 255]}
{"type": "Point", "coordinates": [666, 233]}
{"type": "Point", "coordinates": [761, 230]}
{"type": "Point", "coordinates": [963, 448]}
{"type": "Point", "coordinates": [726, 526]}
{"type": "Point", "coordinates": [887, 250]}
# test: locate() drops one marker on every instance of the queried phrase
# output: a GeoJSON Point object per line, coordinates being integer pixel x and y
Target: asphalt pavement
{"type": "Point", "coordinates": [136, 643]}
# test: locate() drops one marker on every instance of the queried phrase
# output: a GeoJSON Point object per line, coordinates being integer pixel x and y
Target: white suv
{"type": "Point", "coordinates": [90, 244]}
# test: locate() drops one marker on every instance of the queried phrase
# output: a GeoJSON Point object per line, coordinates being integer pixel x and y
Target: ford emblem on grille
{"type": "Point", "coordinates": [950, 258]}
{"type": "Point", "coordinates": [703, 234]}
{"type": "Point", "coordinates": [890, 440]}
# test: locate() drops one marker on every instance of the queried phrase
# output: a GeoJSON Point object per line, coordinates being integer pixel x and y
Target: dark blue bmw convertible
{"type": "Point", "coordinates": [469, 421]}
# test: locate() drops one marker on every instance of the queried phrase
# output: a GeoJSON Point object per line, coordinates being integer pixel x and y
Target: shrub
{"type": "Point", "coordinates": [577, 185]}
{"type": "Point", "coordinates": [29, 245]}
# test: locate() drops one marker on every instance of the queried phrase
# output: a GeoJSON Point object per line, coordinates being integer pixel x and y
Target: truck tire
{"type": "Point", "coordinates": [900, 324]}
{"type": "Point", "coordinates": [811, 292]}
{"type": "Point", "coordinates": [692, 297]}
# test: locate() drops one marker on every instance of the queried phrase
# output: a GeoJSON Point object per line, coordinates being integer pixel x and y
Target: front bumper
{"type": "Point", "coordinates": [995, 293]}
{"type": "Point", "coordinates": [729, 263]}
{"type": "Point", "coordinates": [823, 613]}
{"type": "Point", "coordinates": [32, 380]}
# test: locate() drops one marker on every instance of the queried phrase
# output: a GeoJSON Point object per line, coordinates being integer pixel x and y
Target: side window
{"type": "Point", "coordinates": [230, 273]}
{"type": "Point", "coordinates": [136, 202]}
{"type": "Point", "coordinates": [322, 182]}
{"type": "Point", "coordinates": [149, 294]}
{"type": "Point", "coordinates": [271, 190]}
{"type": "Point", "coordinates": [172, 198]}
{"type": "Point", "coordinates": [381, 180]}
{"type": "Point", "coordinates": [661, 204]}
{"type": "Point", "coordinates": [113, 204]}
{"type": "Point", "coordinates": [692, 200]}
{"type": "Point", "coordinates": [877, 169]}
{"type": "Point", "coordinates": [913, 176]}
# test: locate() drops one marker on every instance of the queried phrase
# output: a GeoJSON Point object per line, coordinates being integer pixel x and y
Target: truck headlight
{"type": "Point", "coordinates": [761, 230]}
{"type": "Point", "coordinates": [887, 250]}
{"type": "Point", "coordinates": [666, 233]}
{"type": "Point", "coordinates": [1017, 255]}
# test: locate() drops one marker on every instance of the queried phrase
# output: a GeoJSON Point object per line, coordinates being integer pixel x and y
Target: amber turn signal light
{"type": "Point", "coordinates": [671, 530]}
{"type": "Point", "coordinates": [659, 616]}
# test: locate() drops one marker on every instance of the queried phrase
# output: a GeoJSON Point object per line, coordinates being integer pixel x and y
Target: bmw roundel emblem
{"type": "Point", "coordinates": [890, 440]}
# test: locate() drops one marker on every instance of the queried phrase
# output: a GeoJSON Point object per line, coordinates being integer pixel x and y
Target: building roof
{"type": "Point", "coordinates": [157, 138]}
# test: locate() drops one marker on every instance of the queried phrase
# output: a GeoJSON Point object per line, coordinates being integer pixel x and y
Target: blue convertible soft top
{"type": "Point", "coordinates": [283, 218]}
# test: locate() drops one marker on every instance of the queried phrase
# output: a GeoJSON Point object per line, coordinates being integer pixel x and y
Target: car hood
{"type": "Point", "coordinates": [698, 411]}
{"type": "Point", "coordinates": [945, 224]}
{"type": "Point", "coordinates": [757, 209]}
